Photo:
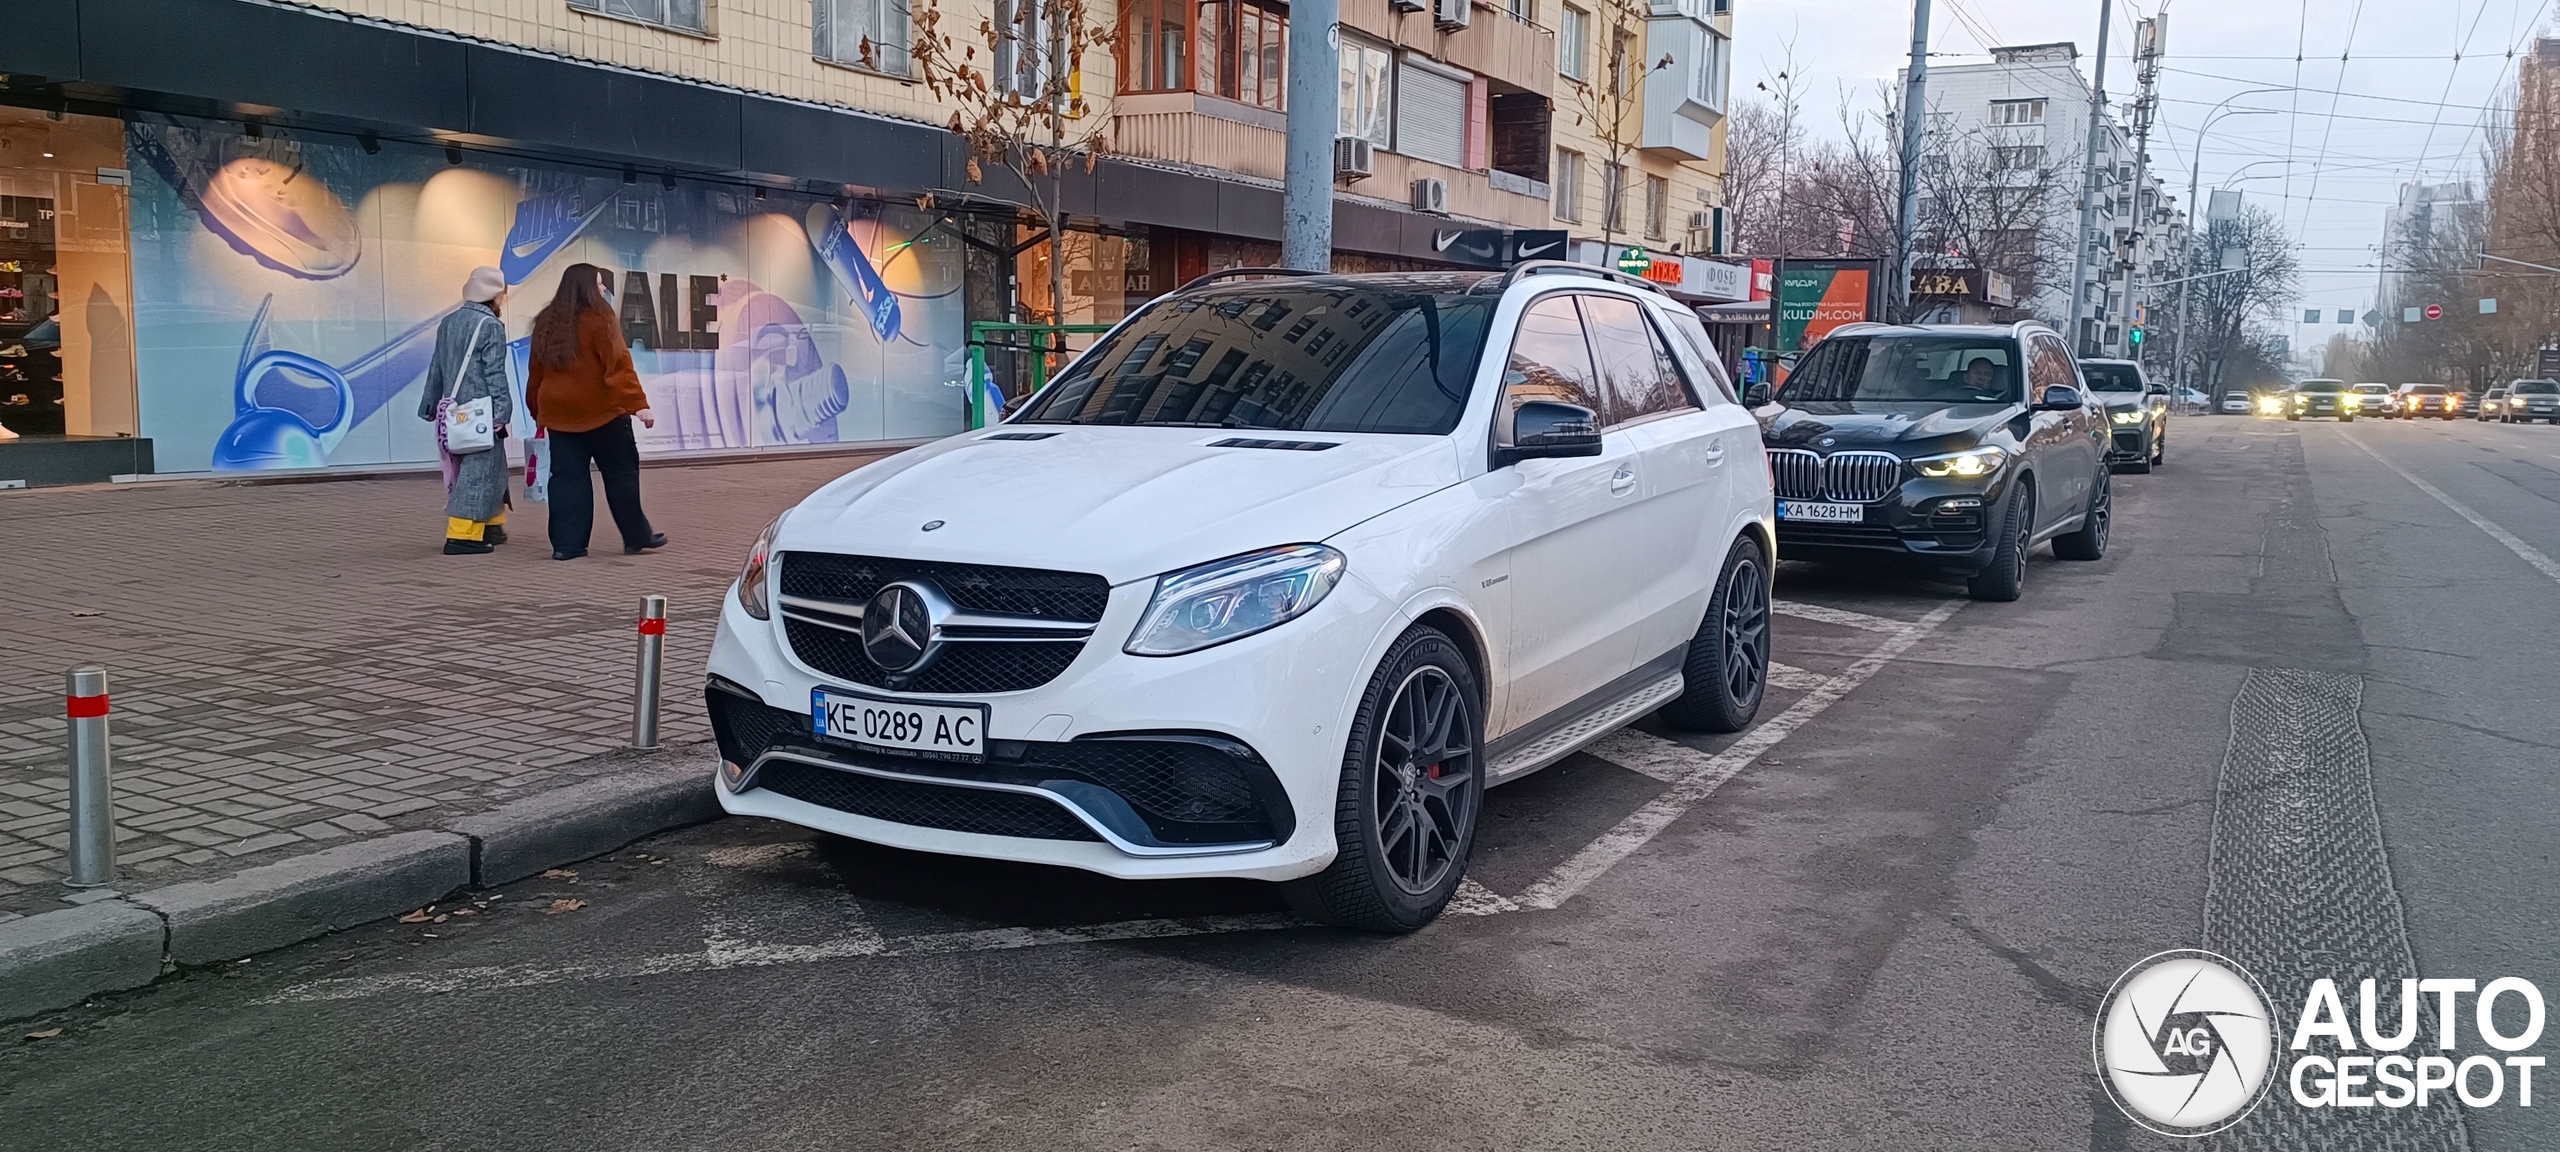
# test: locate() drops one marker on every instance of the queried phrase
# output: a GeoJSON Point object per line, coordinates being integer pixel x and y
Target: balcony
{"type": "Point", "coordinates": [1493, 44]}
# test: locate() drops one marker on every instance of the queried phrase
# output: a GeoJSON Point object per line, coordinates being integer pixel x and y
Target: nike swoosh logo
{"type": "Point", "coordinates": [1440, 241]}
{"type": "Point", "coordinates": [524, 256]}
{"type": "Point", "coordinates": [1527, 252]}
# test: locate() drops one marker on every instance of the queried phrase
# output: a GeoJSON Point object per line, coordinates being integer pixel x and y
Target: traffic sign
{"type": "Point", "coordinates": [2435, 312]}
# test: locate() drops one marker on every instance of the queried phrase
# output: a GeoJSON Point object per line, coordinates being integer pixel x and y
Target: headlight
{"type": "Point", "coordinates": [2130, 416]}
{"type": "Point", "coordinates": [2270, 405]}
{"type": "Point", "coordinates": [1233, 598]}
{"type": "Point", "coordinates": [752, 593]}
{"type": "Point", "coordinates": [1965, 465]}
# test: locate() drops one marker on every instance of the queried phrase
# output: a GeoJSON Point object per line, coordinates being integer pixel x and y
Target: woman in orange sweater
{"type": "Point", "coordinates": [583, 388]}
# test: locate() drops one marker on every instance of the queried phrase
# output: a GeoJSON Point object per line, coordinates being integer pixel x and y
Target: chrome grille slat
{"type": "Point", "coordinates": [1796, 473]}
{"type": "Point", "coordinates": [1861, 477]}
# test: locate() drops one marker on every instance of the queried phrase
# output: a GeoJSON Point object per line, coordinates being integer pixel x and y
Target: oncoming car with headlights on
{"type": "Point", "coordinates": [1272, 582]}
{"type": "Point", "coordinates": [1959, 447]}
{"type": "Point", "coordinates": [2320, 398]}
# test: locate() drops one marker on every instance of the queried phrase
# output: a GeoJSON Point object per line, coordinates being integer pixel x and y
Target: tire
{"type": "Point", "coordinates": [2006, 578]}
{"type": "Point", "coordinates": [2293, 416]}
{"type": "Point", "coordinates": [2346, 419]}
{"type": "Point", "coordinates": [2160, 450]}
{"type": "Point", "coordinates": [1727, 672]}
{"type": "Point", "coordinates": [1394, 871]}
{"type": "Point", "coordinates": [2089, 541]}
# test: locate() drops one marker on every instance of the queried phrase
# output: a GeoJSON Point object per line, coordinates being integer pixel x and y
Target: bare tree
{"type": "Point", "coordinates": [1021, 108]}
{"type": "Point", "coordinates": [1611, 104]}
{"type": "Point", "coordinates": [2235, 313]}
{"type": "Point", "coordinates": [1991, 206]}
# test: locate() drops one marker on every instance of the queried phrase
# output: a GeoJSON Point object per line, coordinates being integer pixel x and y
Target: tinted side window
{"type": "Point", "coordinates": [1550, 360]}
{"type": "Point", "coordinates": [1708, 374]}
{"type": "Point", "coordinates": [1635, 369]}
{"type": "Point", "coordinates": [2050, 365]}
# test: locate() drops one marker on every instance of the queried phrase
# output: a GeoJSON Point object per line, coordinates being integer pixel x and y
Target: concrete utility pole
{"type": "Point", "coordinates": [2151, 37]}
{"type": "Point", "coordinates": [2089, 181]}
{"type": "Point", "coordinates": [1915, 119]}
{"type": "Point", "coordinates": [1306, 190]}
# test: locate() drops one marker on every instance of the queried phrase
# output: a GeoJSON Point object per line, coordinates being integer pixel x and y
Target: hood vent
{"type": "Point", "coordinates": [1277, 445]}
{"type": "Point", "coordinates": [1019, 436]}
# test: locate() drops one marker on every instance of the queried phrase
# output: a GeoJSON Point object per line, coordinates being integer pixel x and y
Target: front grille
{"type": "Point", "coordinates": [1175, 780]}
{"type": "Point", "coordinates": [1852, 477]}
{"type": "Point", "coordinates": [744, 725]}
{"type": "Point", "coordinates": [924, 805]}
{"type": "Point", "coordinates": [2129, 441]}
{"type": "Point", "coordinates": [1075, 596]}
{"type": "Point", "coordinates": [1797, 473]}
{"type": "Point", "coordinates": [1792, 532]}
{"type": "Point", "coordinates": [959, 669]}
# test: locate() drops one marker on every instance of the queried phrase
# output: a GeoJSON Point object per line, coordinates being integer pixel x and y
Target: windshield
{"type": "Point", "coordinates": [1928, 369]}
{"type": "Point", "coordinates": [2373, 388]}
{"type": "Point", "coordinates": [2319, 386]}
{"type": "Point", "coordinates": [2426, 389]}
{"type": "Point", "coordinates": [1331, 358]}
{"type": "Point", "coordinates": [2536, 388]}
{"type": "Point", "coordinates": [2112, 377]}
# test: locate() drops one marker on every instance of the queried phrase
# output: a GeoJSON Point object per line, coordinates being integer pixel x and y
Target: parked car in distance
{"type": "Point", "coordinates": [1270, 583]}
{"type": "Point", "coordinates": [2316, 398]}
{"type": "Point", "coordinates": [2531, 400]}
{"type": "Point", "coordinates": [2372, 399]}
{"type": "Point", "coordinates": [2412, 401]}
{"type": "Point", "coordinates": [1958, 447]}
{"type": "Point", "coordinates": [2236, 404]}
{"type": "Point", "coordinates": [2467, 403]}
{"type": "Point", "coordinates": [2490, 402]}
{"type": "Point", "coordinates": [2137, 413]}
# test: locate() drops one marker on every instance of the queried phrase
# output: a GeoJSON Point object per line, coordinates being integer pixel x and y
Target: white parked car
{"type": "Point", "coordinates": [1272, 583]}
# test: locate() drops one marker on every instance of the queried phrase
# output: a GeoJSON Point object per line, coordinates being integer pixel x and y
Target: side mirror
{"type": "Point", "coordinates": [1546, 429]}
{"type": "Point", "coordinates": [2059, 398]}
{"type": "Point", "coordinates": [1755, 395]}
{"type": "Point", "coordinates": [2157, 389]}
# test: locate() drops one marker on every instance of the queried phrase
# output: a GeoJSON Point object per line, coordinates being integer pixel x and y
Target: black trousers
{"type": "Point", "coordinates": [573, 498]}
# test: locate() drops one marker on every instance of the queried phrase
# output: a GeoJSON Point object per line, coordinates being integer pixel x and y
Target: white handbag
{"type": "Point", "coordinates": [469, 425]}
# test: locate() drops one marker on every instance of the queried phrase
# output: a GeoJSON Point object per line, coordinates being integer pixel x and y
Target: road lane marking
{"type": "Point", "coordinates": [1706, 773]}
{"type": "Point", "coordinates": [1795, 679]}
{"type": "Point", "coordinates": [2527, 552]}
{"type": "Point", "coordinates": [1840, 616]}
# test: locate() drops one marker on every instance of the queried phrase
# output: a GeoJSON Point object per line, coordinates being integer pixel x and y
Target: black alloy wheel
{"type": "Point", "coordinates": [2160, 448]}
{"type": "Point", "coordinates": [2089, 541]}
{"type": "Point", "coordinates": [2006, 576]}
{"type": "Point", "coordinates": [1727, 671]}
{"type": "Point", "coordinates": [1412, 784]}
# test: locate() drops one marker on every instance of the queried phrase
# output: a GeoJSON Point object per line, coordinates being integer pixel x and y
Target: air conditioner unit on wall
{"type": "Point", "coordinates": [1709, 232]}
{"type": "Point", "coordinates": [1354, 157]}
{"type": "Point", "coordinates": [1450, 13]}
{"type": "Point", "coordinates": [1431, 195]}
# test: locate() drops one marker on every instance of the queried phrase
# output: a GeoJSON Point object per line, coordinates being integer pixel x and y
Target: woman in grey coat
{"type": "Point", "coordinates": [470, 363]}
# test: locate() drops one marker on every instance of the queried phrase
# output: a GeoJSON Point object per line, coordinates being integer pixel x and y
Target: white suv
{"type": "Point", "coordinates": [1272, 582]}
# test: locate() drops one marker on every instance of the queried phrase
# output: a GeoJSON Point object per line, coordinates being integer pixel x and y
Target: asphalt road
{"type": "Point", "coordinates": [1888, 928]}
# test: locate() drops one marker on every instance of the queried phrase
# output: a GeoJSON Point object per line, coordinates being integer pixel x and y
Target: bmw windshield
{"type": "Point", "coordinates": [1321, 356]}
{"type": "Point", "coordinates": [2111, 377]}
{"type": "Point", "coordinates": [1921, 369]}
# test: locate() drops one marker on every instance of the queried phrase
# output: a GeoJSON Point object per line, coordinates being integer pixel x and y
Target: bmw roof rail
{"type": "Point", "coordinates": [1224, 273]}
{"type": "Point", "coordinates": [1527, 268]}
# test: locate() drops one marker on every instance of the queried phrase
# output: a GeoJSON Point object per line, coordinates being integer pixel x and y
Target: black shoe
{"type": "Point", "coordinates": [567, 555]}
{"type": "Point", "coordinates": [454, 547]}
{"type": "Point", "coordinates": [656, 540]}
{"type": "Point", "coordinates": [494, 534]}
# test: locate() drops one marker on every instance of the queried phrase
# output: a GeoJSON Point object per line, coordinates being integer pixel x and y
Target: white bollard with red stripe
{"type": "Point", "coordinates": [93, 813]}
{"type": "Point", "coordinates": [653, 642]}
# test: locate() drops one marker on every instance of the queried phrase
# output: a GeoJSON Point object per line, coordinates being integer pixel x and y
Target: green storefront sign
{"type": "Point", "coordinates": [1813, 297]}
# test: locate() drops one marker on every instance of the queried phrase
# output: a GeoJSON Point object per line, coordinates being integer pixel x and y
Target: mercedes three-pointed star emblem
{"type": "Point", "coordinates": [897, 628]}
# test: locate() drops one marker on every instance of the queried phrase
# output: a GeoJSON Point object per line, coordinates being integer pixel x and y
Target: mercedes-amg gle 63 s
{"type": "Point", "coordinates": [1272, 582]}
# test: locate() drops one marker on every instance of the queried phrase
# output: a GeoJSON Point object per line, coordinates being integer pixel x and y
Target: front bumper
{"type": "Point", "coordinates": [2131, 443]}
{"type": "Point", "coordinates": [2531, 411]}
{"type": "Point", "coordinates": [1278, 701]}
{"type": "Point", "coordinates": [1908, 527]}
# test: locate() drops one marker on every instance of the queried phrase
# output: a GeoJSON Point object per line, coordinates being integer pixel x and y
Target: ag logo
{"type": "Point", "coordinates": [2184, 1043]}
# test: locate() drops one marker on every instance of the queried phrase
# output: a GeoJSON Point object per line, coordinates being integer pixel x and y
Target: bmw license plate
{"type": "Point", "coordinates": [1817, 512]}
{"type": "Point", "coordinates": [933, 731]}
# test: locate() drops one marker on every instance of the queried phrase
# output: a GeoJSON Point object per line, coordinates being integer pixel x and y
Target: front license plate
{"type": "Point", "coordinates": [1815, 512]}
{"type": "Point", "coordinates": [935, 731]}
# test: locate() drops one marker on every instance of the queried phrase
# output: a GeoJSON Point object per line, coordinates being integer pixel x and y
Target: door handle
{"type": "Point", "coordinates": [1715, 452]}
{"type": "Point", "coordinates": [1623, 480]}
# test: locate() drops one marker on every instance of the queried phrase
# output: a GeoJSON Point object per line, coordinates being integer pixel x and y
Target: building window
{"type": "Point", "coordinates": [2005, 112]}
{"type": "Point", "coordinates": [1155, 46]}
{"type": "Point", "coordinates": [1021, 58]}
{"type": "Point", "coordinates": [1565, 189]}
{"type": "Point", "coordinates": [1524, 11]}
{"type": "Point", "coordinates": [1243, 54]}
{"type": "Point", "coordinates": [1367, 97]}
{"type": "Point", "coordinates": [863, 33]}
{"type": "Point", "coordinates": [1431, 112]}
{"type": "Point", "coordinates": [1613, 188]}
{"type": "Point", "coordinates": [681, 15]}
{"type": "Point", "coordinates": [2017, 157]}
{"type": "Point", "coordinates": [1657, 206]}
{"type": "Point", "coordinates": [1573, 42]}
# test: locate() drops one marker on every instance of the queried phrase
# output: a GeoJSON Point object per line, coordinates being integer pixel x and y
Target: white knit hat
{"type": "Point", "coordinates": [484, 285]}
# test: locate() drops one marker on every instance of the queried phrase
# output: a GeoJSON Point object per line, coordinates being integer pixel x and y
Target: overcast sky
{"type": "Point", "coordinates": [2343, 136]}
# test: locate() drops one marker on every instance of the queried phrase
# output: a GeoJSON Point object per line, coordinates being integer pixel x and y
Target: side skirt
{"type": "Point", "coordinates": [1557, 734]}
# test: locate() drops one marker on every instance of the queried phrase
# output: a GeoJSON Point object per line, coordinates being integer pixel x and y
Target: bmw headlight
{"type": "Point", "coordinates": [1973, 463]}
{"type": "Point", "coordinates": [1233, 598]}
{"type": "Point", "coordinates": [2129, 416]}
{"type": "Point", "coordinates": [752, 593]}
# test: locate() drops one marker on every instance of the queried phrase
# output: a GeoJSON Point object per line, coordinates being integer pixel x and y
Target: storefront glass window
{"type": "Point", "coordinates": [66, 298]}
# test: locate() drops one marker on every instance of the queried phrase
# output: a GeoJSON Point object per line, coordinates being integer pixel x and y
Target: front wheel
{"type": "Point", "coordinates": [2296, 416]}
{"type": "Point", "coordinates": [2089, 541]}
{"type": "Point", "coordinates": [2006, 578]}
{"type": "Point", "coordinates": [2346, 419]}
{"type": "Point", "coordinates": [1727, 671]}
{"type": "Point", "coordinates": [1412, 780]}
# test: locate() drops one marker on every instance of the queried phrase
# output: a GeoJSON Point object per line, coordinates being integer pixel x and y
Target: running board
{"type": "Point", "coordinates": [1590, 726]}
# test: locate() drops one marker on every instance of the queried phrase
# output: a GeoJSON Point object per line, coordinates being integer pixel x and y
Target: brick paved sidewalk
{"type": "Point", "coordinates": [285, 667]}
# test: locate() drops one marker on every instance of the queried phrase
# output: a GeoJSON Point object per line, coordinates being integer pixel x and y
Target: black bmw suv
{"type": "Point", "coordinates": [1959, 447]}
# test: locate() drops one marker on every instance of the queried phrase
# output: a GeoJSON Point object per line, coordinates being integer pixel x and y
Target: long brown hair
{"type": "Point", "coordinates": [555, 328]}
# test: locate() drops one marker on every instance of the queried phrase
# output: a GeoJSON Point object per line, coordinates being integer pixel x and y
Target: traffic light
{"type": "Point", "coordinates": [2134, 334]}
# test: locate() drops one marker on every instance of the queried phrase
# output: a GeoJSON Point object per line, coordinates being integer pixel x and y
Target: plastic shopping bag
{"type": "Point", "coordinates": [537, 466]}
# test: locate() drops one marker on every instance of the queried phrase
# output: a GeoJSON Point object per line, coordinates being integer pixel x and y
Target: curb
{"type": "Point", "coordinates": [56, 959]}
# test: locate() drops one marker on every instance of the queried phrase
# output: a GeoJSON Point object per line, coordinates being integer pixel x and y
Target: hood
{"type": "Point", "coordinates": [1905, 427]}
{"type": "Point", "coordinates": [1122, 502]}
{"type": "Point", "coordinates": [2115, 400]}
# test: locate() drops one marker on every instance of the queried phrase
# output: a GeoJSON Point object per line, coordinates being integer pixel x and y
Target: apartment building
{"type": "Point", "coordinates": [241, 219]}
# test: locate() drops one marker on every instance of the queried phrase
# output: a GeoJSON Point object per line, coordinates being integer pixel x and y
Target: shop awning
{"type": "Point", "coordinates": [1739, 312]}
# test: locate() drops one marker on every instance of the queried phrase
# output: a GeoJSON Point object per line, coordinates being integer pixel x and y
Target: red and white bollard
{"type": "Point", "coordinates": [653, 643]}
{"type": "Point", "coordinates": [93, 813]}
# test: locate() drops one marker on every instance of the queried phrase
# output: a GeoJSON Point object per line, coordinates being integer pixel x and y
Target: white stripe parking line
{"type": "Point", "coordinates": [1707, 773]}
{"type": "Point", "coordinates": [1840, 616]}
{"type": "Point", "coordinates": [2526, 552]}
{"type": "Point", "coordinates": [1795, 679]}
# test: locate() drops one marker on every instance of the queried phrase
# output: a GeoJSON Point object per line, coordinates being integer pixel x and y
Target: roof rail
{"type": "Point", "coordinates": [1224, 273]}
{"type": "Point", "coordinates": [1527, 268]}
